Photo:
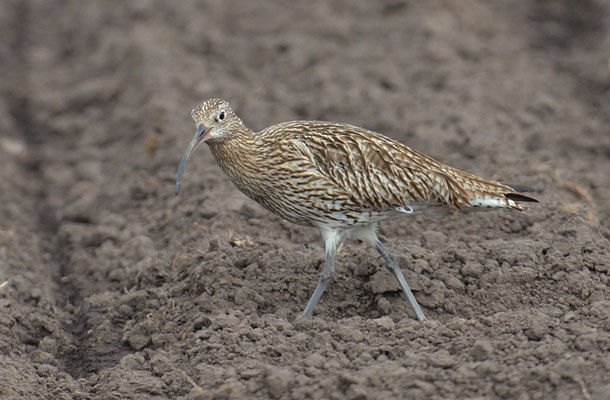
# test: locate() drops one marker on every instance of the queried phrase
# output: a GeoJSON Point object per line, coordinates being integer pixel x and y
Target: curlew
{"type": "Point", "coordinates": [340, 178]}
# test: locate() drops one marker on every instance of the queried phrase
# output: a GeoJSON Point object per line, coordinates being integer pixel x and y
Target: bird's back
{"type": "Point", "coordinates": [314, 172]}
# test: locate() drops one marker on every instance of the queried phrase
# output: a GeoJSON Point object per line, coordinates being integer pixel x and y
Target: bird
{"type": "Point", "coordinates": [341, 179]}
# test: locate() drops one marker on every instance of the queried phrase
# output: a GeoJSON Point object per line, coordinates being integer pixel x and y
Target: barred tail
{"type": "Point", "coordinates": [503, 198]}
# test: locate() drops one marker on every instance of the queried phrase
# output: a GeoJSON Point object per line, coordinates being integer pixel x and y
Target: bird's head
{"type": "Point", "coordinates": [215, 121]}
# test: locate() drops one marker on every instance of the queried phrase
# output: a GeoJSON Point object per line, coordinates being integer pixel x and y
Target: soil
{"type": "Point", "coordinates": [111, 287]}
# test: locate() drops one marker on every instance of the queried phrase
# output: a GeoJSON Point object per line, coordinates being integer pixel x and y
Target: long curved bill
{"type": "Point", "coordinates": [203, 134]}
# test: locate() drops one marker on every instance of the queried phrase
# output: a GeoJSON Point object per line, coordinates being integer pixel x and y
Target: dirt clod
{"type": "Point", "coordinates": [277, 381]}
{"type": "Point", "coordinates": [139, 336]}
{"type": "Point", "coordinates": [481, 350]}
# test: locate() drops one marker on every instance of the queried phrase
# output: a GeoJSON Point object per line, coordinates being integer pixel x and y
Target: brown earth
{"type": "Point", "coordinates": [113, 288]}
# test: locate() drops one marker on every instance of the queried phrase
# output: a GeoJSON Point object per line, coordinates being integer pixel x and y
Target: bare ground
{"type": "Point", "coordinates": [111, 287]}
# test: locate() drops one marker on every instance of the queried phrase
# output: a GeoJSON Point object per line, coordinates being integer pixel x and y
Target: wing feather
{"type": "Point", "coordinates": [376, 172]}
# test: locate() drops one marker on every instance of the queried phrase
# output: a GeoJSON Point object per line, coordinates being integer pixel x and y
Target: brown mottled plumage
{"type": "Point", "coordinates": [339, 178]}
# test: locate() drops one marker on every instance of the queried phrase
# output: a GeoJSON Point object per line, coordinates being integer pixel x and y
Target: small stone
{"type": "Point", "coordinates": [240, 241]}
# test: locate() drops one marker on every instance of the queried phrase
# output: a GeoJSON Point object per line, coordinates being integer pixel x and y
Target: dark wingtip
{"type": "Point", "coordinates": [520, 197]}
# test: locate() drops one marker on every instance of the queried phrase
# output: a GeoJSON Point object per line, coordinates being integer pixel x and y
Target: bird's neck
{"type": "Point", "coordinates": [237, 155]}
{"type": "Point", "coordinates": [234, 147]}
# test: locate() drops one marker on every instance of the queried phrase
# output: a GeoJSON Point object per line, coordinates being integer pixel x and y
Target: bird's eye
{"type": "Point", "coordinates": [221, 116]}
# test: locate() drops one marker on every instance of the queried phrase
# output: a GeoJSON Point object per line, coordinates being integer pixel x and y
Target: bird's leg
{"type": "Point", "coordinates": [393, 266]}
{"type": "Point", "coordinates": [331, 239]}
{"type": "Point", "coordinates": [325, 277]}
